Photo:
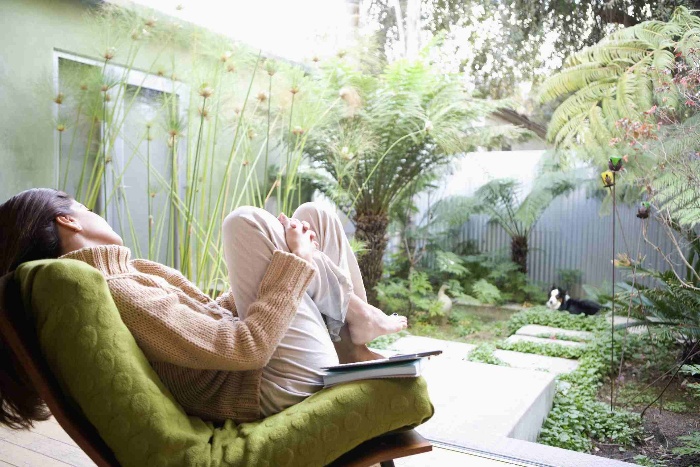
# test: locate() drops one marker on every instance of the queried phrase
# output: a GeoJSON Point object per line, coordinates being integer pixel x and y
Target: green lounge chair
{"type": "Point", "coordinates": [58, 318]}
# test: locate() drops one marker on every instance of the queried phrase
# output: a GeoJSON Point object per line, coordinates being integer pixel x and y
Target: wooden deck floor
{"type": "Point", "coordinates": [47, 445]}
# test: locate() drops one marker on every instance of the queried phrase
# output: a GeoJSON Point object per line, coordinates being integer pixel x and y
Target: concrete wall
{"type": "Point", "coordinates": [30, 31]}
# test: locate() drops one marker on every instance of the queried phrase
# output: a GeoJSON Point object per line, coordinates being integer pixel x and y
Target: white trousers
{"type": "Point", "coordinates": [250, 237]}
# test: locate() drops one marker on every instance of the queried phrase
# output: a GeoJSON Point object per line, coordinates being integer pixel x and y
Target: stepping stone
{"type": "Point", "coordinates": [517, 338]}
{"type": "Point", "coordinates": [528, 361]}
{"type": "Point", "coordinates": [413, 344]}
{"type": "Point", "coordinates": [535, 330]}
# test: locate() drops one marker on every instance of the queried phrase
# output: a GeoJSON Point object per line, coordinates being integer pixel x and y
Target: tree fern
{"type": "Point", "coordinates": [516, 212]}
{"type": "Point", "coordinates": [622, 76]}
{"type": "Point", "coordinates": [397, 130]}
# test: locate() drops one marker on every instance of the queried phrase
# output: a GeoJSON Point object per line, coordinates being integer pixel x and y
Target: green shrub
{"type": "Point", "coordinates": [503, 273]}
{"type": "Point", "coordinates": [483, 353]}
{"type": "Point", "coordinates": [646, 461]}
{"type": "Point", "coordinates": [549, 350]}
{"type": "Point", "coordinates": [568, 278]}
{"type": "Point", "coordinates": [486, 292]}
{"type": "Point", "coordinates": [384, 342]}
{"type": "Point", "coordinates": [412, 297]}
{"type": "Point", "coordinates": [694, 389]}
{"type": "Point", "coordinates": [545, 317]}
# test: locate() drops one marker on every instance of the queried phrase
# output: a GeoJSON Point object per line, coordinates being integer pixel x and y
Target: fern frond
{"type": "Point", "coordinates": [580, 103]}
{"type": "Point", "coordinates": [625, 74]}
{"type": "Point", "coordinates": [575, 78]}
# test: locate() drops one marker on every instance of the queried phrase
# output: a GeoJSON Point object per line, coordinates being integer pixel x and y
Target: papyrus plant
{"type": "Point", "coordinates": [234, 123]}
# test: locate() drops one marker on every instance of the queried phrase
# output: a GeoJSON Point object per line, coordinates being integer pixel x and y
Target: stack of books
{"type": "Point", "coordinates": [398, 366]}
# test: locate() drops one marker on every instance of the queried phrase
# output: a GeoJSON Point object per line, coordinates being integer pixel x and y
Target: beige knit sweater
{"type": "Point", "coordinates": [210, 359]}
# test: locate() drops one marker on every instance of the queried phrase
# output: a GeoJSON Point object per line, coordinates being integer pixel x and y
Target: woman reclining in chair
{"type": "Point", "coordinates": [296, 304]}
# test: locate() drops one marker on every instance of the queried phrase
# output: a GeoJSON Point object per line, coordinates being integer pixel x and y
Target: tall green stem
{"type": "Point", "coordinates": [148, 192]}
{"type": "Point", "coordinates": [193, 189]}
{"type": "Point", "coordinates": [104, 153]}
{"type": "Point", "coordinates": [267, 140]}
{"type": "Point", "coordinates": [70, 148]}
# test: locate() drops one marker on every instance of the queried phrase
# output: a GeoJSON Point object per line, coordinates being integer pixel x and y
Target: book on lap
{"type": "Point", "coordinates": [404, 369]}
{"type": "Point", "coordinates": [398, 366]}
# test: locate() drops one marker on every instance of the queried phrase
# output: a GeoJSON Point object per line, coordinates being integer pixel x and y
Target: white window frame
{"type": "Point", "coordinates": [134, 77]}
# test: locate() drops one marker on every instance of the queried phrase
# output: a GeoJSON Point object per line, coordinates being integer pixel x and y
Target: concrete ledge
{"type": "Point", "coordinates": [527, 453]}
{"type": "Point", "coordinates": [496, 400]}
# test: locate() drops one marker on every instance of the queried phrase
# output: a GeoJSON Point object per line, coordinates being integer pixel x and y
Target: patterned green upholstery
{"type": "Point", "coordinates": [98, 364]}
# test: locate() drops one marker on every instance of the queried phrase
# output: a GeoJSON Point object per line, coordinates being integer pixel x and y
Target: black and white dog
{"type": "Point", "coordinates": [559, 300]}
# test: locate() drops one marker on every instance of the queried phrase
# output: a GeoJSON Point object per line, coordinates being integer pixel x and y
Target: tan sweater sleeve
{"type": "Point", "coordinates": [178, 329]}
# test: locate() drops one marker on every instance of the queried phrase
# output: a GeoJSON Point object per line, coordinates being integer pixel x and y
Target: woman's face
{"type": "Point", "coordinates": [83, 228]}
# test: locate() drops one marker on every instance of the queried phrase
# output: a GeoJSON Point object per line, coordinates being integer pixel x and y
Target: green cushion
{"type": "Point", "coordinates": [98, 364]}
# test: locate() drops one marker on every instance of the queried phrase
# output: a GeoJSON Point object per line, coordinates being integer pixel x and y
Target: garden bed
{"type": "Point", "coordinates": [676, 414]}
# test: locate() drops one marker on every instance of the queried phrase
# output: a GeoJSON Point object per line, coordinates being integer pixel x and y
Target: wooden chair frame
{"type": "Point", "coordinates": [20, 338]}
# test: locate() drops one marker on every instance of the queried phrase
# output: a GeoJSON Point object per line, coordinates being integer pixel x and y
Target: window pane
{"type": "Point", "coordinates": [79, 114]}
{"type": "Point", "coordinates": [144, 213]}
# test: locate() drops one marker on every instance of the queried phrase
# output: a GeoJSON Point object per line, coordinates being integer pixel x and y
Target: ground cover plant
{"type": "Point", "coordinates": [548, 349]}
{"type": "Point", "coordinates": [483, 353]}
{"type": "Point", "coordinates": [543, 316]}
{"type": "Point", "coordinates": [578, 418]}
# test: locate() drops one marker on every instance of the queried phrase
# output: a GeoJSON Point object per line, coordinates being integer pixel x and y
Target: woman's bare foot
{"type": "Point", "coordinates": [366, 322]}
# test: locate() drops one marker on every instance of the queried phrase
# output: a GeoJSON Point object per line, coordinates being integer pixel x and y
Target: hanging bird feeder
{"type": "Point", "coordinates": [615, 163]}
{"type": "Point", "coordinates": [608, 178]}
{"type": "Point", "coordinates": [643, 211]}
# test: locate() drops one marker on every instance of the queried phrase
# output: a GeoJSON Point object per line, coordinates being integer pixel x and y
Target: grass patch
{"type": "Point", "coordinates": [562, 337]}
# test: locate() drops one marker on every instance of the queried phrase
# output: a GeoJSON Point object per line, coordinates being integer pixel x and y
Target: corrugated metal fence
{"type": "Point", "coordinates": [572, 234]}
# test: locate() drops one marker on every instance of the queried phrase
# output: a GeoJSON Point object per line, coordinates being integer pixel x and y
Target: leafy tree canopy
{"type": "Point", "coordinates": [501, 43]}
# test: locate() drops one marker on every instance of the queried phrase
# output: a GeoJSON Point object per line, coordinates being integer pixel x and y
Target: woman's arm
{"type": "Point", "coordinates": [170, 326]}
{"type": "Point", "coordinates": [176, 279]}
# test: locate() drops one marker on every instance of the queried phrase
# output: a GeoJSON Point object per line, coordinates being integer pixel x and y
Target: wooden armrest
{"type": "Point", "coordinates": [384, 448]}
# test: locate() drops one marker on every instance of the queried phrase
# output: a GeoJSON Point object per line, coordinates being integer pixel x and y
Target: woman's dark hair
{"type": "Point", "coordinates": [28, 226]}
{"type": "Point", "coordinates": [27, 232]}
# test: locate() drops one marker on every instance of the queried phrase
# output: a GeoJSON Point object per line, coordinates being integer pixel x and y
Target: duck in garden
{"type": "Point", "coordinates": [444, 299]}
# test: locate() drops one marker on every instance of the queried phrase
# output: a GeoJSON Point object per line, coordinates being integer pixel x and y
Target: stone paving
{"type": "Point", "coordinates": [529, 361]}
